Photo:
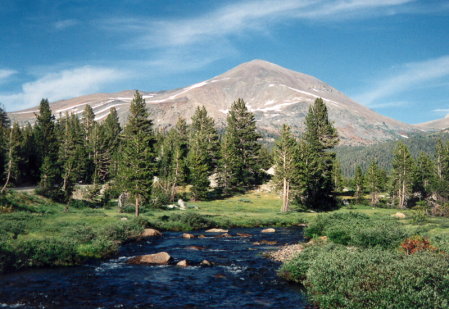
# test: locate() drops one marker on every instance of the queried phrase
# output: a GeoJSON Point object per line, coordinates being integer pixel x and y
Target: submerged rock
{"type": "Point", "coordinates": [206, 263]}
{"type": "Point", "coordinates": [244, 235]}
{"type": "Point", "coordinates": [265, 242]}
{"type": "Point", "coordinates": [183, 263]}
{"type": "Point", "coordinates": [195, 248]}
{"type": "Point", "coordinates": [160, 258]}
{"type": "Point", "coordinates": [216, 231]}
{"type": "Point", "coordinates": [269, 230]}
{"type": "Point", "coordinates": [188, 236]}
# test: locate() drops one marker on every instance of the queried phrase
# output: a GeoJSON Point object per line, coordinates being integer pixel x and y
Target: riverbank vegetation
{"type": "Point", "coordinates": [373, 262]}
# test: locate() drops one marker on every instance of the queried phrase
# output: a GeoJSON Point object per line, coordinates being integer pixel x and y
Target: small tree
{"type": "Point", "coordinates": [284, 163]}
{"type": "Point", "coordinates": [402, 173]}
{"type": "Point", "coordinates": [358, 184]}
{"type": "Point", "coordinates": [13, 155]}
{"type": "Point", "coordinates": [373, 182]}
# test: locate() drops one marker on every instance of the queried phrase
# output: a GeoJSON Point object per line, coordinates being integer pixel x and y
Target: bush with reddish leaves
{"type": "Point", "coordinates": [415, 244]}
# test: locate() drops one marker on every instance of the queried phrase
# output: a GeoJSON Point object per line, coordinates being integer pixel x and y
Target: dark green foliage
{"type": "Point", "coordinates": [424, 176]}
{"type": "Point", "coordinates": [358, 230]}
{"type": "Point", "coordinates": [173, 149]}
{"type": "Point", "coordinates": [353, 156]}
{"type": "Point", "coordinates": [137, 162]}
{"type": "Point", "coordinates": [240, 167]}
{"type": "Point", "coordinates": [13, 156]}
{"type": "Point", "coordinates": [339, 277]}
{"type": "Point", "coordinates": [203, 153]}
{"type": "Point", "coordinates": [47, 148]}
{"type": "Point", "coordinates": [316, 161]}
{"type": "Point", "coordinates": [373, 181]}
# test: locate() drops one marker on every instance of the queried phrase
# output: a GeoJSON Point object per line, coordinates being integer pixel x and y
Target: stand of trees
{"type": "Point", "coordinates": [150, 165]}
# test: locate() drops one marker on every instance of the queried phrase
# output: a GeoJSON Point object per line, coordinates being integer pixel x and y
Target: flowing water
{"type": "Point", "coordinates": [240, 277]}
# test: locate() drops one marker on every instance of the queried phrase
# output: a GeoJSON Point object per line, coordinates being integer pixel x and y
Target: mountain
{"type": "Point", "coordinates": [435, 125]}
{"type": "Point", "coordinates": [275, 94]}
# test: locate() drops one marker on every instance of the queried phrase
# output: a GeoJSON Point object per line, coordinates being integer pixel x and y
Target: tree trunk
{"type": "Point", "coordinates": [284, 195]}
{"type": "Point", "coordinates": [8, 175]}
{"type": "Point", "coordinates": [137, 205]}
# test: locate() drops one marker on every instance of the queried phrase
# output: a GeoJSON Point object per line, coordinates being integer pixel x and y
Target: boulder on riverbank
{"type": "Point", "coordinates": [150, 233]}
{"type": "Point", "coordinates": [286, 253]}
{"type": "Point", "coordinates": [160, 258]}
{"type": "Point", "coordinates": [216, 231]}
{"type": "Point", "coordinates": [399, 215]}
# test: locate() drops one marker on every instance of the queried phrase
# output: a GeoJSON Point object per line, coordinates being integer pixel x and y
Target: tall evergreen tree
{"type": "Point", "coordinates": [284, 162]}
{"type": "Point", "coordinates": [423, 175]}
{"type": "Point", "coordinates": [137, 164]}
{"type": "Point", "coordinates": [359, 186]}
{"type": "Point", "coordinates": [203, 153]}
{"type": "Point", "coordinates": [71, 154]}
{"type": "Point", "coordinates": [47, 146]}
{"type": "Point", "coordinates": [13, 155]}
{"type": "Point", "coordinates": [402, 174]}
{"type": "Point", "coordinates": [337, 177]}
{"type": "Point", "coordinates": [317, 161]}
{"type": "Point", "coordinates": [112, 130]}
{"type": "Point", "coordinates": [29, 163]}
{"type": "Point", "coordinates": [374, 180]}
{"type": "Point", "coordinates": [242, 153]}
{"type": "Point", "coordinates": [91, 131]}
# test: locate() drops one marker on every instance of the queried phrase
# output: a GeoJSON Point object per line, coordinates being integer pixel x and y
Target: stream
{"type": "Point", "coordinates": [240, 277]}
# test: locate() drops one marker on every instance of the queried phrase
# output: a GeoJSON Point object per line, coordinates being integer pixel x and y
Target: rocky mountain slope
{"type": "Point", "coordinates": [435, 125]}
{"type": "Point", "coordinates": [276, 96]}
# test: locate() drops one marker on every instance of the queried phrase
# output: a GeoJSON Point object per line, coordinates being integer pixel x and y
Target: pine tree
{"type": "Point", "coordinates": [137, 164]}
{"type": "Point", "coordinates": [13, 155]}
{"type": "Point", "coordinates": [423, 175]}
{"type": "Point", "coordinates": [47, 148]}
{"type": "Point", "coordinates": [373, 180]}
{"type": "Point", "coordinates": [203, 153]}
{"type": "Point", "coordinates": [242, 153]}
{"type": "Point", "coordinates": [112, 130]}
{"type": "Point", "coordinates": [316, 160]}
{"type": "Point", "coordinates": [337, 177]}
{"type": "Point", "coordinates": [29, 163]}
{"type": "Point", "coordinates": [402, 173]}
{"type": "Point", "coordinates": [71, 154]}
{"type": "Point", "coordinates": [90, 131]}
{"type": "Point", "coordinates": [284, 162]}
{"type": "Point", "coordinates": [442, 170]}
{"type": "Point", "coordinates": [4, 136]}
{"type": "Point", "coordinates": [359, 184]}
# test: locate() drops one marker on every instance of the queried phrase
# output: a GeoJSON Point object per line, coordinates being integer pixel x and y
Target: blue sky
{"type": "Point", "coordinates": [390, 55]}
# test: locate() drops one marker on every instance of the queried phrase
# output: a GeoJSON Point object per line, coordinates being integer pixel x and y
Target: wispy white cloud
{"type": "Point", "coordinates": [61, 85]}
{"type": "Point", "coordinates": [5, 74]}
{"type": "Point", "coordinates": [66, 23]}
{"type": "Point", "coordinates": [407, 78]}
{"type": "Point", "coordinates": [441, 110]}
{"type": "Point", "coordinates": [240, 17]}
{"type": "Point", "coordinates": [216, 28]}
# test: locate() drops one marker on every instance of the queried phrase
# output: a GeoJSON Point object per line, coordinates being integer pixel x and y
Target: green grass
{"type": "Point", "coordinates": [96, 233]}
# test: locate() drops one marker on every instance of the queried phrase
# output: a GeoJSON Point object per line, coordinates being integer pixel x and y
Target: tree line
{"type": "Point", "coordinates": [148, 164]}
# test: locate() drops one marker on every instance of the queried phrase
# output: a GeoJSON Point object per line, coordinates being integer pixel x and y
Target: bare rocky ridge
{"type": "Point", "coordinates": [276, 96]}
{"type": "Point", "coordinates": [435, 125]}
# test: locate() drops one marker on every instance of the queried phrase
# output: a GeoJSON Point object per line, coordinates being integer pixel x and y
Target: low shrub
{"type": "Point", "coordinates": [44, 252]}
{"type": "Point", "coordinates": [356, 229]}
{"type": "Point", "coordinates": [98, 248]}
{"type": "Point", "coordinates": [340, 277]}
{"type": "Point", "coordinates": [415, 244]}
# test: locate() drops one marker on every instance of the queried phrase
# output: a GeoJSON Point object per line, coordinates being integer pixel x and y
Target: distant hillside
{"type": "Point", "coordinates": [350, 157]}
